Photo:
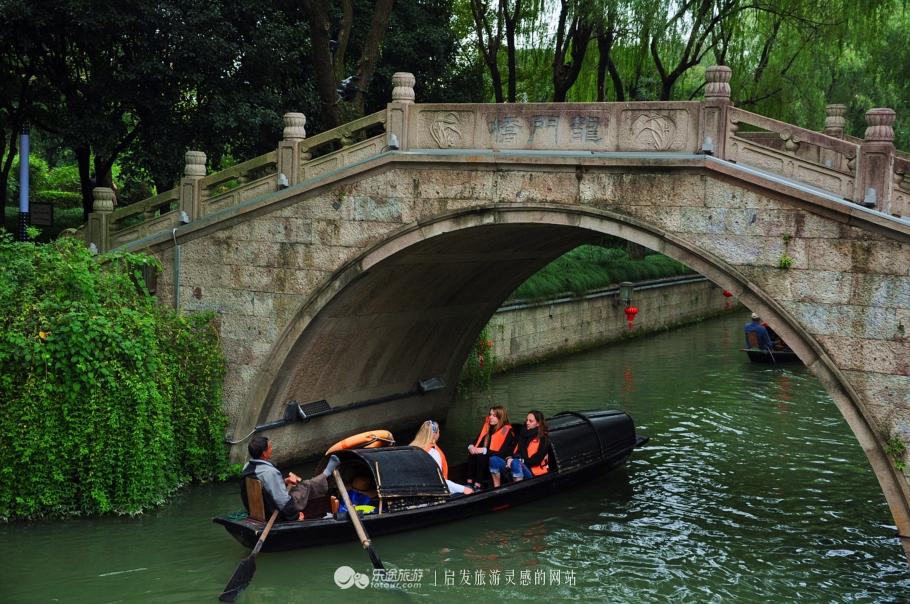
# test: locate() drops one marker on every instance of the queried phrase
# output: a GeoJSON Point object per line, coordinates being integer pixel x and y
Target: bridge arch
{"type": "Point", "coordinates": [410, 307]}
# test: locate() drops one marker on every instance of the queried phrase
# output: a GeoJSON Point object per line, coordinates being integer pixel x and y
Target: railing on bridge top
{"type": "Point", "coordinates": [867, 171]}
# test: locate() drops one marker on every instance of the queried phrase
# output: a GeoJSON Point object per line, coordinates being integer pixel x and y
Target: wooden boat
{"type": "Point", "coordinates": [411, 492]}
{"type": "Point", "coordinates": [757, 354]}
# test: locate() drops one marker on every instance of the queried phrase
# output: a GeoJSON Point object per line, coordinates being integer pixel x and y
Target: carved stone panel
{"type": "Point", "coordinates": [651, 130]}
{"type": "Point", "coordinates": [446, 129]}
{"type": "Point", "coordinates": [822, 180]}
{"type": "Point", "coordinates": [511, 128]}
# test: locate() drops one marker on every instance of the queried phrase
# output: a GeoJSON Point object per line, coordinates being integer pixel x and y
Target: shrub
{"type": "Point", "coordinates": [590, 267]}
{"type": "Point", "coordinates": [110, 402]}
{"type": "Point", "coordinates": [64, 178]}
{"type": "Point", "coordinates": [58, 199]}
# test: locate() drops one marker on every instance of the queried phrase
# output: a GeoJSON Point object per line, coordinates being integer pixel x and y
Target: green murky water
{"type": "Point", "coordinates": [751, 489]}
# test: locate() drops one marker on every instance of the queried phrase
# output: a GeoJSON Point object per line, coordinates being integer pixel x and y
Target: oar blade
{"type": "Point", "coordinates": [374, 557]}
{"type": "Point", "coordinates": [241, 579]}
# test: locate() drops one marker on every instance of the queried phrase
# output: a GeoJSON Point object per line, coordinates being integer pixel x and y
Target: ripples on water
{"type": "Point", "coordinates": [752, 489]}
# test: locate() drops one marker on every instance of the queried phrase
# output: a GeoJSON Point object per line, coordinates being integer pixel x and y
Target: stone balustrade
{"type": "Point", "coordinates": [868, 171]}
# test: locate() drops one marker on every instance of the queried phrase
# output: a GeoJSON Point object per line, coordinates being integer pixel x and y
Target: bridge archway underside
{"type": "Point", "coordinates": [356, 285]}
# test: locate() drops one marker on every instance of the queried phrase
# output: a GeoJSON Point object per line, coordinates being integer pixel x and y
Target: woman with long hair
{"type": "Point", "coordinates": [426, 438]}
{"type": "Point", "coordinates": [494, 443]}
{"type": "Point", "coordinates": [530, 456]}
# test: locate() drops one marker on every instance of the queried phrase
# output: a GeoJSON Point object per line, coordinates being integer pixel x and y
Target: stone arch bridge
{"type": "Point", "coordinates": [351, 265]}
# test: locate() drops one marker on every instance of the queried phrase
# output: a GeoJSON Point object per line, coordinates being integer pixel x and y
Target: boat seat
{"type": "Point", "coordinates": [254, 499]}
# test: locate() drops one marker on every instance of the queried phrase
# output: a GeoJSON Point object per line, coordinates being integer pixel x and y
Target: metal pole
{"type": "Point", "coordinates": [23, 183]}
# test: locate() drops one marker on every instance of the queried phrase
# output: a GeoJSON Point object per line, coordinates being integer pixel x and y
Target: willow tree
{"type": "Point", "coordinates": [656, 49]}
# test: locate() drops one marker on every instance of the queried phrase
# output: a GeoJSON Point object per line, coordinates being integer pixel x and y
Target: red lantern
{"type": "Point", "coordinates": [729, 303]}
{"type": "Point", "coordinates": [631, 311]}
{"type": "Point", "coordinates": [728, 294]}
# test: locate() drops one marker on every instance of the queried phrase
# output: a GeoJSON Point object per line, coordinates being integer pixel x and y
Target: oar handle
{"type": "Point", "coordinates": [265, 533]}
{"type": "Point", "coordinates": [352, 511]}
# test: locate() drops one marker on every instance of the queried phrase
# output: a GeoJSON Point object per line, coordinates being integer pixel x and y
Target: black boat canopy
{"type": "Point", "coordinates": [400, 471]}
{"type": "Point", "coordinates": [578, 439]}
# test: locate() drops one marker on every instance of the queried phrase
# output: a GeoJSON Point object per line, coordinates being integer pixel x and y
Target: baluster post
{"type": "Point", "coordinates": [397, 111]}
{"type": "Point", "coordinates": [834, 127]}
{"type": "Point", "coordinates": [714, 110]}
{"type": "Point", "coordinates": [99, 221]}
{"type": "Point", "coordinates": [835, 120]}
{"type": "Point", "coordinates": [289, 154]}
{"type": "Point", "coordinates": [190, 194]}
{"type": "Point", "coordinates": [877, 159]}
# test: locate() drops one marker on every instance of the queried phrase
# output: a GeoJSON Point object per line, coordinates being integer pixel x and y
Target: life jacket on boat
{"type": "Point", "coordinates": [497, 439]}
{"type": "Point", "coordinates": [530, 451]}
{"type": "Point", "coordinates": [444, 464]}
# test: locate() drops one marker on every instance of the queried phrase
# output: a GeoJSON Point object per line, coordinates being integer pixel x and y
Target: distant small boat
{"type": "Point", "coordinates": [757, 354]}
{"type": "Point", "coordinates": [412, 494]}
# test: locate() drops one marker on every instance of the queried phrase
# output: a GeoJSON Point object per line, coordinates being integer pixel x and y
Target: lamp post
{"type": "Point", "coordinates": [625, 296]}
{"type": "Point", "coordinates": [625, 292]}
{"type": "Point", "coordinates": [23, 183]}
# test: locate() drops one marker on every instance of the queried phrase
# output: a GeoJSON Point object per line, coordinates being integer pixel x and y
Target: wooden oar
{"type": "Point", "coordinates": [358, 526]}
{"type": "Point", "coordinates": [244, 573]}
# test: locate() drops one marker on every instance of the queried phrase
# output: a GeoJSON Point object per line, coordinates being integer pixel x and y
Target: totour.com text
{"type": "Point", "coordinates": [416, 578]}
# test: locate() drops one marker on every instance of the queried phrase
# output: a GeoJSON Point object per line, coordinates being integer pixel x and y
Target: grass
{"type": "Point", "coordinates": [591, 267]}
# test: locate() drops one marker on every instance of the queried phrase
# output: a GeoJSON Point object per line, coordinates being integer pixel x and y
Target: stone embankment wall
{"type": "Point", "coordinates": [526, 333]}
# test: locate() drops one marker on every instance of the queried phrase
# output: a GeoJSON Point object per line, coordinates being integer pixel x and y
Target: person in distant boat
{"type": "Point", "coordinates": [289, 495]}
{"type": "Point", "coordinates": [426, 439]}
{"type": "Point", "coordinates": [495, 442]}
{"type": "Point", "coordinates": [531, 458]}
{"type": "Point", "coordinates": [756, 334]}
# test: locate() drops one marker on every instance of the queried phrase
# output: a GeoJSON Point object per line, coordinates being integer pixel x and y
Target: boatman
{"type": "Point", "coordinates": [761, 334]}
{"type": "Point", "coordinates": [289, 495]}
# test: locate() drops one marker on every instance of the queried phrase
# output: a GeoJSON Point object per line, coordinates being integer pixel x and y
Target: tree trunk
{"type": "Point", "coordinates": [511, 20]}
{"type": "Point", "coordinates": [489, 49]}
{"type": "Point", "coordinates": [566, 74]}
{"type": "Point", "coordinates": [5, 172]}
{"type": "Point", "coordinates": [344, 36]}
{"type": "Point", "coordinates": [370, 55]}
{"type": "Point", "coordinates": [318, 17]}
{"type": "Point", "coordinates": [83, 161]}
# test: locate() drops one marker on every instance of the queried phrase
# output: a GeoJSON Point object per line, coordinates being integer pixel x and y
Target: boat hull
{"type": "Point", "coordinates": [773, 357]}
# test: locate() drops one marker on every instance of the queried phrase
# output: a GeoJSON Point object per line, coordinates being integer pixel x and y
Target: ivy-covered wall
{"type": "Point", "coordinates": [108, 401]}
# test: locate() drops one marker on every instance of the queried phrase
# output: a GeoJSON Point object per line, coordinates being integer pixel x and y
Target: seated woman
{"type": "Point", "coordinates": [426, 439]}
{"type": "Point", "coordinates": [495, 442]}
{"type": "Point", "coordinates": [530, 456]}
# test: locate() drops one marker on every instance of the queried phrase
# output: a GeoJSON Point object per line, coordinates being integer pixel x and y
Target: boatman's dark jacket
{"type": "Point", "coordinates": [276, 494]}
{"type": "Point", "coordinates": [764, 340]}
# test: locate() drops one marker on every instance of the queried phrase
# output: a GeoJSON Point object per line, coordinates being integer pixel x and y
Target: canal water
{"type": "Point", "coordinates": [751, 489]}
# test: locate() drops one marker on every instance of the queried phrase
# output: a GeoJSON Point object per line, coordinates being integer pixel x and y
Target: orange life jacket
{"type": "Point", "coordinates": [497, 439]}
{"type": "Point", "coordinates": [544, 466]}
{"type": "Point", "coordinates": [442, 458]}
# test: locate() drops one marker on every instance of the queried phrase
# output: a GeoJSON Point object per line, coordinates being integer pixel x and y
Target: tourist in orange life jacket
{"type": "Point", "coordinates": [495, 442]}
{"type": "Point", "coordinates": [426, 439]}
{"type": "Point", "coordinates": [530, 457]}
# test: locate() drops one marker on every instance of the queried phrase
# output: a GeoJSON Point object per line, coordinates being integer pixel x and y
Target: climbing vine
{"type": "Point", "coordinates": [479, 366]}
{"type": "Point", "coordinates": [108, 401]}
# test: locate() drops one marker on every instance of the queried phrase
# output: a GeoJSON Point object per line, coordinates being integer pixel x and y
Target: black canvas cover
{"type": "Point", "coordinates": [403, 472]}
{"type": "Point", "coordinates": [589, 436]}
